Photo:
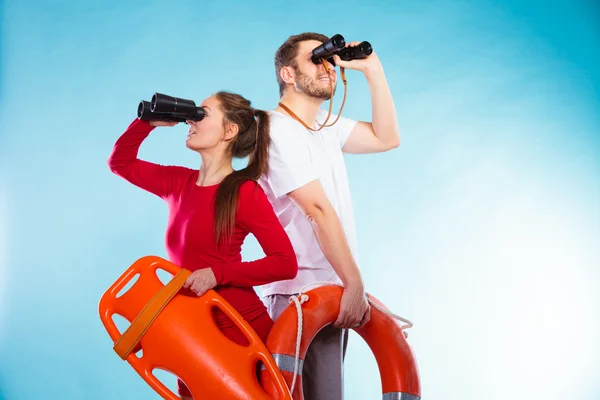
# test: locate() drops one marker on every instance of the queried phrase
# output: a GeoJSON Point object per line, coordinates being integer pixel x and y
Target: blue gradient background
{"type": "Point", "coordinates": [483, 227]}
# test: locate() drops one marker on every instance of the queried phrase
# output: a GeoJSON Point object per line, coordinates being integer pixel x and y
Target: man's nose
{"type": "Point", "coordinates": [330, 67]}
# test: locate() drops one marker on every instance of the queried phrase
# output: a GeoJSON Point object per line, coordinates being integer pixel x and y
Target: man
{"type": "Point", "coordinates": [308, 187]}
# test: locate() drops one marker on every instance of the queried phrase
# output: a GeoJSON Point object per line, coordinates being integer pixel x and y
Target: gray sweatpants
{"type": "Point", "coordinates": [323, 371]}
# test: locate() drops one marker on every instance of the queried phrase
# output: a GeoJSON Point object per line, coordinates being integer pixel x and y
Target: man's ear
{"type": "Point", "coordinates": [288, 75]}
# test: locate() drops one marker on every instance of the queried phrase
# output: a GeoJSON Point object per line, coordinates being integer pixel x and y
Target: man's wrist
{"type": "Point", "coordinates": [354, 284]}
{"type": "Point", "coordinates": [373, 71]}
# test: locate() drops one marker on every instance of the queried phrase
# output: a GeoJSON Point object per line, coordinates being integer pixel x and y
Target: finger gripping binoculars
{"type": "Point", "coordinates": [169, 108]}
{"type": "Point", "coordinates": [336, 46]}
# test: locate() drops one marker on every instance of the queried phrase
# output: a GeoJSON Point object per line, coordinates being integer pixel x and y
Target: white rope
{"type": "Point", "coordinates": [391, 314]}
{"type": "Point", "coordinates": [302, 298]}
{"type": "Point", "coordinates": [298, 302]}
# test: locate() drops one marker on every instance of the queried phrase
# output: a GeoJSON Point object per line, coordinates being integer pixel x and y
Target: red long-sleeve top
{"type": "Point", "coordinates": [190, 240]}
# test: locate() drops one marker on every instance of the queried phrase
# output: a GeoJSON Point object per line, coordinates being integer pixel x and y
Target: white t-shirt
{"type": "Point", "coordinates": [298, 156]}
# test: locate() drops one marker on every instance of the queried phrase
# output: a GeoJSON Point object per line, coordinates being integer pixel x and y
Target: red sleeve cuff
{"type": "Point", "coordinates": [217, 270]}
{"type": "Point", "coordinates": [142, 124]}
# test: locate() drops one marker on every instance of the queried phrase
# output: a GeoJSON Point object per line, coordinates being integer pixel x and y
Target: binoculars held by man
{"type": "Point", "coordinates": [336, 46]}
{"type": "Point", "coordinates": [170, 109]}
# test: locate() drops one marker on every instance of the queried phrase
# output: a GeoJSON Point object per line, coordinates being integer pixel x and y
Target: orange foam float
{"type": "Point", "coordinates": [383, 334]}
{"type": "Point", "coordinates": [177, 333]}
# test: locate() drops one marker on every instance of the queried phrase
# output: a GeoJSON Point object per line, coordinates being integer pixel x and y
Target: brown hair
{"type": "Point", "coordinates": [251, 141]}
{"type": "Point", "coordinates": [287, 52]}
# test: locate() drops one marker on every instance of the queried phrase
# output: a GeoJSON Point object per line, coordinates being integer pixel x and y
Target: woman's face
{"type": "Point", "coordinates": [209, 132]}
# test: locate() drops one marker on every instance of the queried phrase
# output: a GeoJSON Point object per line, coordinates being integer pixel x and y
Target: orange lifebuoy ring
{"type": "Point", "coordinates": [383, 334]}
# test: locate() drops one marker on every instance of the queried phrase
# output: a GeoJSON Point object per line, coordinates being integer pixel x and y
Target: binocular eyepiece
{"type": "Point", "coordinates": [168, 108]}
{"type": "Point", "coordinates": [336, 45]}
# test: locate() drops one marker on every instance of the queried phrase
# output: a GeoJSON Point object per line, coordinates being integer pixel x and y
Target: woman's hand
{"type": "Point", "coordinates": [201, 281]}
{"type": "Point", "coordinates": [162, 123]}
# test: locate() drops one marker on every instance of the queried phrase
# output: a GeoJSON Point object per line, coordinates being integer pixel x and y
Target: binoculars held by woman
{"type": "Point", "coordinates": [168, 108]}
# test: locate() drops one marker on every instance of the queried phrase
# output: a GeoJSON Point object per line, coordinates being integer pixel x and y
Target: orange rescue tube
{"type": "Point", "coordinates": [383, 334]}
{"type": "Point", "coordinates": [184, 339]}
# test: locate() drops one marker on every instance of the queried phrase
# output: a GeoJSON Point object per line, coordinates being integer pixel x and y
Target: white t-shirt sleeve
{"type": "Point", "coordinates": [290, 163]}
{"type": "Point", "coordinates": [345, 126]}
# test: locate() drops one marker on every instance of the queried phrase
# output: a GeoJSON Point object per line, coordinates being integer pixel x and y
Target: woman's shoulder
{"type": "Point", "coordinates": [252, 196]}
{"type": "Point", "coordinates": [253, 202]}
{"type": "Point", "coordinates": [251, 189]}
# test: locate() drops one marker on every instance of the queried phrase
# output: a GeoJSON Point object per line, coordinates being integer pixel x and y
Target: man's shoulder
{"type": "Point", "coordinates": [283, 128]}
{"type": "Point", "coordinates": [278, 120]}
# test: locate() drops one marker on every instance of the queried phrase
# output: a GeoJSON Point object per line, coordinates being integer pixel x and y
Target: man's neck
{"type": "Point", "coordinates": [305, 107]}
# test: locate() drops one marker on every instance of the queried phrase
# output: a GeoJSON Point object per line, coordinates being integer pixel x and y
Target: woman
{"type": "Point", "coordinates": [212, 210]}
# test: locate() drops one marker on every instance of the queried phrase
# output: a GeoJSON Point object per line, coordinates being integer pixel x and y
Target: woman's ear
{"type": "Point", "coordinates": [231, 130]}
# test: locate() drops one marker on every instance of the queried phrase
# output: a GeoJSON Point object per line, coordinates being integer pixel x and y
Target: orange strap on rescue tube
{"type": "Point", "coordinates": [132, 336]}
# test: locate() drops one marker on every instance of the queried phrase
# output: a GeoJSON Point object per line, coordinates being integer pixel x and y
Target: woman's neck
{"type": "Point", "coordinates": [213, 170]}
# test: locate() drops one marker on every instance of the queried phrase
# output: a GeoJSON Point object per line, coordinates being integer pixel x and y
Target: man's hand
{"type": "Point", "coordinates": [364, 65]}
{"type": "Point", "coordinates": [201, 281]}
{"type": "Point", "coordinates": [354, 309]}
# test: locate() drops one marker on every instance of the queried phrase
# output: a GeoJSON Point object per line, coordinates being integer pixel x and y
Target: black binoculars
{"type": "Point", "coordinates": [336, 45]}
{"type": "Point", "coordinates": [168, 108]}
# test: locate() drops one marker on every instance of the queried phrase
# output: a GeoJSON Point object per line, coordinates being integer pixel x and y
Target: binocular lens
{"type": "Point", "coordinates": [329, 48]}
{"type": "Point", "coordinates": [144, 109]}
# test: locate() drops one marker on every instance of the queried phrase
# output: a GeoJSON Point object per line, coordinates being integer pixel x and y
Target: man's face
{"type": "Point", "coordinates": [311, 78]}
